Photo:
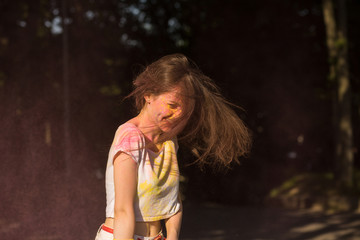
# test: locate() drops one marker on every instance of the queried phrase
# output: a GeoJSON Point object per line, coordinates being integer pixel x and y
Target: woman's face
{"type": "Point", "coordinates": [167, 109]}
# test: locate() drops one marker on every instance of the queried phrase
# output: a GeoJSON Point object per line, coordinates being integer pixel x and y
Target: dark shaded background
{"type": "Point", "coordinates": [61, 98]}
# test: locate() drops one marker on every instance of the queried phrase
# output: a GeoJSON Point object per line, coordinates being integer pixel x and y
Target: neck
{"type": "Point", "coordinates": [151, 131]}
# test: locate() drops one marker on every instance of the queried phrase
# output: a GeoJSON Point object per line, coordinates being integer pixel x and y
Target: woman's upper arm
{"type": "Point", "coordinates": [125, 180]}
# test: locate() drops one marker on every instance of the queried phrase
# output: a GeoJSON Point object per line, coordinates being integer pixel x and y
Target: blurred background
{"type": "Point", "coordinates": [65, 67]}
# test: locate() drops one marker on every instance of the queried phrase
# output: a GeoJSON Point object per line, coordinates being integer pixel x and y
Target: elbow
{"type": "Point", "coordinates": [124, 213]}
{"type": "Point", "coordinates": [124, 222]}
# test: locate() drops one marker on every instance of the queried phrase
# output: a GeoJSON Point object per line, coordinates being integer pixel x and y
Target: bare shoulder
{"type": "Point", "coordinates": [134, 121]}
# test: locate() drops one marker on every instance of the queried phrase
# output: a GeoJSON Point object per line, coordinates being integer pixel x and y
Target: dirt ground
{"type": "Point", "coordinates": [72, 208]}
{"type": "Point", "coordinates": [209, 222]}
{"type": "Point", "coordinates": [214, 222]}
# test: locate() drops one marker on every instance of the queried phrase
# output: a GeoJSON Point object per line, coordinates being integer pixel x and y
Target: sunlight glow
{"type": "Point", "coordinates": [309, 228]}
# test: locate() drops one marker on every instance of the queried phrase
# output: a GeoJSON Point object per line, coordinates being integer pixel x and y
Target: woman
{"type": "Point", "coordinates": [175, 100]}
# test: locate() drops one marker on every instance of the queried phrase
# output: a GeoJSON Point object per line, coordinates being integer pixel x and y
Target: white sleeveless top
{"type": "Point", "coordinates": [158, 175]}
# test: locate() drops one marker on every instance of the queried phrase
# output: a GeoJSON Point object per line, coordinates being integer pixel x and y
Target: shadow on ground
{"type": "Point", "coordinates": [203, 222]}
{"type": "Point", "coordinates": [214, 222]}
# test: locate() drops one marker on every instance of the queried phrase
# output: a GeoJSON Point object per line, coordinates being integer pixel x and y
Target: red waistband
{"type": "Point", "coordinates": [110, 230]}
{"type": "Point", "coordinates": [107, 229]}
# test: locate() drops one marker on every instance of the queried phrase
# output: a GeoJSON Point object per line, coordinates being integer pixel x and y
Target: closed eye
{"type": "Point", "coordinates": [173, 105]}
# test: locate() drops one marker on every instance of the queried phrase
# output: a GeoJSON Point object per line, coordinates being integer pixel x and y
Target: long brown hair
{"type": "Point", "coordinates": [211, 127]}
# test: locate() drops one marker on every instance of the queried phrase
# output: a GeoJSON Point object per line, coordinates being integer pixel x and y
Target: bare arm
{"type": "Point", "coordinates": [173, 225]}
{"type": "Point", "coordinates": [125, 179]}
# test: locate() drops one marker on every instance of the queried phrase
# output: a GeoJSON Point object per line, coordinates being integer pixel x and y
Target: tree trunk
{"type": "Point", "coordinates": [345, 146]}
{"type": "Point", "coordinates": [339, 75]}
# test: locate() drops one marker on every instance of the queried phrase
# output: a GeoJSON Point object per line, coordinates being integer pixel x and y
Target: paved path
{"type": "Point", "coordinates": [213, 222]}
{"type": "Point", "coordinates": [201, 222]}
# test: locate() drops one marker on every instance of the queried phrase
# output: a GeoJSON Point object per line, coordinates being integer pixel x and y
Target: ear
{"type": "Point", "coordinates": [147, 98]}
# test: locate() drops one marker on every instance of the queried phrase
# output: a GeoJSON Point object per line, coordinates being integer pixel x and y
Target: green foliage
{"type": "Point", "coordinates": [24, 9]}
{"type": "Point", "coordinates": [307, 183]}
{"type": "Point", "coordinates": [319, 191]}
{"type": "Point", "coordinates": [111, 90]}
{"type": "Point", "coordinates": [341, 43]}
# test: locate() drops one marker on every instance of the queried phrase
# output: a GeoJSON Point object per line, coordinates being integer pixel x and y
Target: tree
{"type": "Point", "coordinates": [336, 34]}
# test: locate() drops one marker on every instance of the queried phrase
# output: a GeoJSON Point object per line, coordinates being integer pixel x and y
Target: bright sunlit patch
{"type": "Point", "coordinates": [335, 235]}
{"type": "Point", "coordinates": [309, 228]}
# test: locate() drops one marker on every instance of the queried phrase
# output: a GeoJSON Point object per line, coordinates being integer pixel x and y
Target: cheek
{"type": "Point", "coordinates": [176, 113]}
{"type": "Point", "coordinates": [161, 109]}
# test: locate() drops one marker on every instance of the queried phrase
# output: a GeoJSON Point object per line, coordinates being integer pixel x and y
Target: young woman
{"type": "Point", "coordinates": [175, 101]}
